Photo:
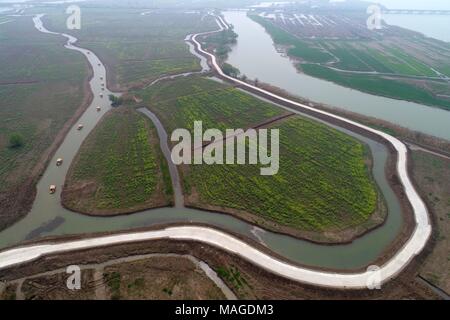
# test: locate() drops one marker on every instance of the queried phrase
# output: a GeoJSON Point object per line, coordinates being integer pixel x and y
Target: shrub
{"type": "Point", "coordinates": [16, 140]}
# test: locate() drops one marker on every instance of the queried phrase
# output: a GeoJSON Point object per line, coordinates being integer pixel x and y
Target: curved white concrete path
{"type": "Point", "coordinates": [219, 239]}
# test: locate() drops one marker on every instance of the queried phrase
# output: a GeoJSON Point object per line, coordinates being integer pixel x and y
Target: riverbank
{"type": "Point", "coordinates": [257, 278]}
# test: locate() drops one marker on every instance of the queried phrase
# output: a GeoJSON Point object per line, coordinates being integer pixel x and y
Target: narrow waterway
{"type": "Point", "coordinates": [47, 217]}
{"type": "Point", "coordinates": [256, 57]}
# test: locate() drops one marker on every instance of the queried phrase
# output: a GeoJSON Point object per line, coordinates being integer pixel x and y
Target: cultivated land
{"type": "Point", "coordinates": [38, 98]}
{"type": "Point", "coordinates": [150, 45]}
{"type": "Point", "coordinates": [242, 277]}
{"type": "Point", "coordinates": [393, 62]}
{"type": "Point", "coordinates": [119, 168]}
{"type": "Point", "coordinates": [432, 174]}
{"type": "Point", "coordinates": [313, 195]}
{"type": "Point", "coordinates": [162, 277]}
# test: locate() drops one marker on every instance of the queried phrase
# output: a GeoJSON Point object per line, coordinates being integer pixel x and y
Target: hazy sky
{"type": "Point", "coordinates": [415, 4]}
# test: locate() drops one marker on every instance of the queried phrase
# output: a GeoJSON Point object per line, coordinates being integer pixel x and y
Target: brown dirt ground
{"type": "Point", "coordinates": [258, 283]}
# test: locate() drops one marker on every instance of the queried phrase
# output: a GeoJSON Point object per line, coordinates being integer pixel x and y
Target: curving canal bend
{"type": "Point", "coordinates": [47, 217]}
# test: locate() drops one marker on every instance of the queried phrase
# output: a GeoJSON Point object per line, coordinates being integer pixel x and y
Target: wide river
{"type": "Point", "coordinates": [47, 217]}
{"type": "Point", "coordinates": [256, 57]}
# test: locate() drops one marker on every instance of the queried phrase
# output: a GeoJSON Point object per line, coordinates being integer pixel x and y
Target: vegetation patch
{"type": "Point", "coordinates": [391, 64]}
{"type": "Point", "coordinates": [150, 45]}
{"type": "Point", "coordinates": [376, 85]}
{"type": "Point", "coordinates": [37, 98]}
{"type": "Point", "coordinates": [118, 168]}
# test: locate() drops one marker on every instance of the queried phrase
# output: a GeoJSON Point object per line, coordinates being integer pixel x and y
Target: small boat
{"type": "Point", "coordinates": [80, 127]}
{"type": "Point", "coordinates": [59, 162]}
{"type": "Point", "coordinates": [99, 109]}
{"type": "Point", "coordinates": [52, 189]}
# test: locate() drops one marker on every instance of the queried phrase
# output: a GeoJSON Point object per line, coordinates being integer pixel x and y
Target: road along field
{"type": "Point", "coordinates": [39, 101]}
{"type": "Point", "coordinates": [312, 195]}
{"type": "Point", "coordinates": [119, 168]}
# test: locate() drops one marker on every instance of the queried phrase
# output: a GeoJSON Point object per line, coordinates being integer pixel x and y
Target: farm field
{"type": "Point", "coordinates": [178, 103]}
{"type": "Point", "coordinates": [150, 46]}
{"type": "Point", "coordinates": [312, 192]}
{"type": "Point", "coordinates": [372, 84]}
{"type": "Point", "coordinates": [340, 49]}
{"type": "Point", "coordinates": [163, 277]}
{"type": "Point", "coordinates": [37, 98]}
{"type": "Point", "coordinates": [119, 168]}
{"type": "Point", "coordinates": [432, 174]}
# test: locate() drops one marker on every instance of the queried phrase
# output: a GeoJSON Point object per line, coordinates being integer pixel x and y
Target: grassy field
{"type": "Point", "coordinates": [119, 168]}
{"type": "Point", "coordinates": [394, 54]}
{"type": "Point", "coordinates": [37, 97]}
{"type": "Point", "coordinates": [314, 191]}
{"type": "Point", "coordinates": [162, 277]}
{"type": "Point", "coordinates": [433, 178]}
{"type": "Point", "coordinates": [373, 84]}
{"type": "Point", "coordinates": [149, 46]}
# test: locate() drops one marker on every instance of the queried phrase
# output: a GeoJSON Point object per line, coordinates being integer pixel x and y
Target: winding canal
{"type": "Point", "coordinates": [47, 216]}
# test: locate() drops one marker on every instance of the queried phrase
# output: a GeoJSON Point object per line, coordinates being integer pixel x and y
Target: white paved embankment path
{"type": "Point", "coordinates": [224, 241]}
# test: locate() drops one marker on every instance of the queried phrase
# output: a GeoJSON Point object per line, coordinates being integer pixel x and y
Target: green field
{"type": "Point", "coordinates": [323, 183]}
{"type": "Point", "coordinates": [119, 167]}
{"type": "Point", "coordinates": [392, 55]}
{"type": "Point", "coordinates": [148, 47]}
{"type": "Point", "coordinates": [179, 103]}
{"type": "Point", "coordinates": [37, 97]}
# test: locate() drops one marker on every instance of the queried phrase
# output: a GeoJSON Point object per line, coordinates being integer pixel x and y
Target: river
{"type": "Point", "coordinates": [255, 56]}
{"type": "Point", "coordinates": [47, 217]}
{"type": "Point", "coordinates": [433, 26]}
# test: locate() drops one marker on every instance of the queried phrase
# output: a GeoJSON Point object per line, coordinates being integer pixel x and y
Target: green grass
{"type": "Point", "coordinates": [37, 111]}
{"type": "Point", "coordinates": [122, 157]}
{"type": "Point", "coordinates": [148, 47]}
{"type": "Point", "coordinates": [390, 54]}
{"type": "Point", "coordinates": [377, 85]}
{"type": "Point", "coordinates": [233, 276]}
{"type": "Point", "coordinates": [179, 103]}
{"type": "Point", "coordinates": [323, 182]}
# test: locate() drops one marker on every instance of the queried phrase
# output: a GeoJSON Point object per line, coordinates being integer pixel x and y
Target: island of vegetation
{"type": "Point", "coordinates": [350, 55]}
{"type": "Point", "coordinates": [119, 168]}
{"type": "Point", "coordinates": [323, 191]}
